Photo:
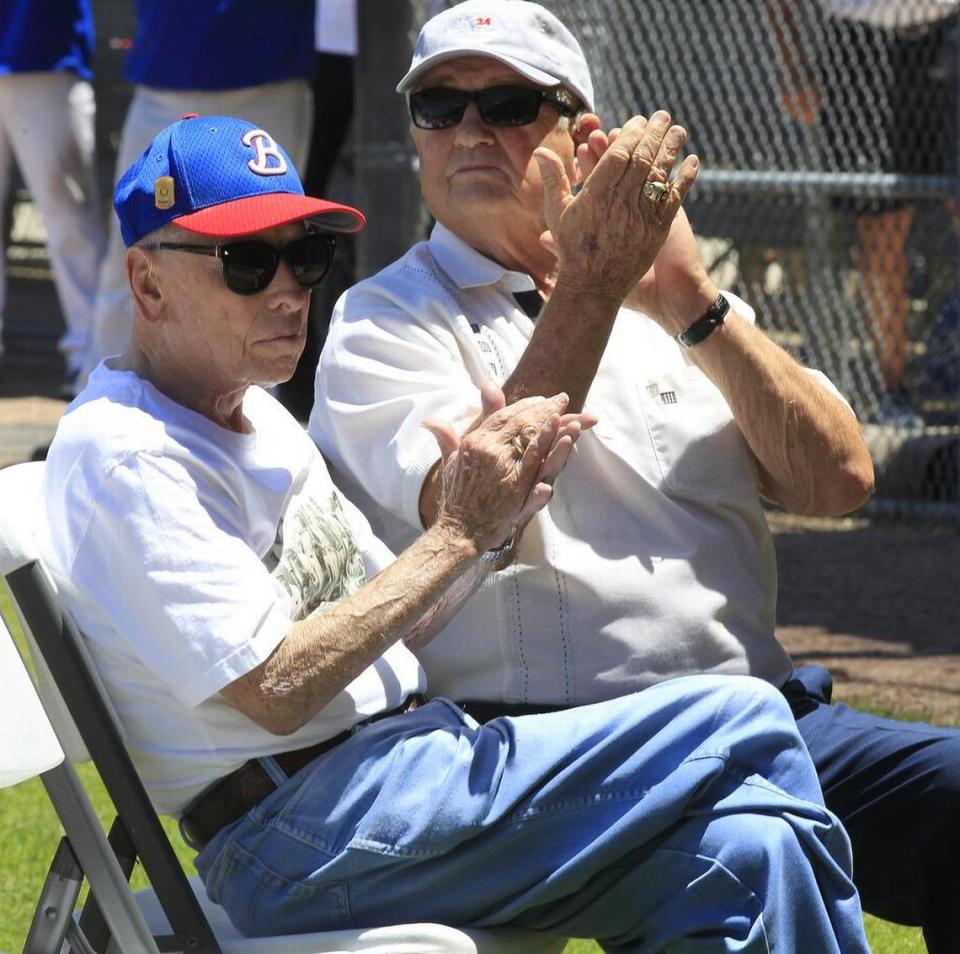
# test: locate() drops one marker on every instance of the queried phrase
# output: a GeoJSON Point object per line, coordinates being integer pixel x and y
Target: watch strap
{"type": "Point", "coordinates": [498, 553]}
{"type": "Point", "coordinates": [706, 324]}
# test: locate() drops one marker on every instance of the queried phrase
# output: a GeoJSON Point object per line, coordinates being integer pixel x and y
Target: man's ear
{"type": "Point", "coordinates": [144, 285]}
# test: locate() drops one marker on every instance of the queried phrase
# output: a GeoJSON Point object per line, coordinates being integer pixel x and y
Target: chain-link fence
{"type": "Point", "coordinates": [827, 131]}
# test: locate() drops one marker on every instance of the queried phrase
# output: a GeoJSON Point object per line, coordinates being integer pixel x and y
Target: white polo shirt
{"type": "Point", "coordinates": [652, 560]}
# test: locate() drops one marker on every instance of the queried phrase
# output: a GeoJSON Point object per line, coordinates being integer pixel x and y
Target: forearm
{"type": "Point", "coordinates": [322, 654]}
{"type": "Point", "coordinates": [449, 604]}
{"type": "Point", "coordinates": [566, 346]}
{"type": "Point", "coordinates": [809, 448]}
{"type": "Point", "coordinates": [563, 355]}
{"type": "Point", "coordinates": [488, 487]}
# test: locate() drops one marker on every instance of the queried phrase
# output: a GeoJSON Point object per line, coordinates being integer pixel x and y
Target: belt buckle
{"type": "Point", "coordinates": [187, 834]}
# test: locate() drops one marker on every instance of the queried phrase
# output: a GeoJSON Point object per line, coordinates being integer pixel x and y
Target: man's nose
{"type": "Point", "coordinates": [472, 130]}
{"type": "Point", "coordinates": [285, 289]}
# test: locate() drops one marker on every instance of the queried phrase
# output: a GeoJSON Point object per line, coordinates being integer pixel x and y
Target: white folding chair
{"type": "Point", "coordinates": [64, 718]}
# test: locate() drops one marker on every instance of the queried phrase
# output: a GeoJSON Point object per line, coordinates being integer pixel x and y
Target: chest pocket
{"type": "Point", "coordinates": [698, 448]}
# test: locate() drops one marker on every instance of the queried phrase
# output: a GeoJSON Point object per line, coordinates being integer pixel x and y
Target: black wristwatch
{"type": "Point", "coordinates": [705, 325]}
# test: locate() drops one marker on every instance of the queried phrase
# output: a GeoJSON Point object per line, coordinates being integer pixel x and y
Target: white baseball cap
{"type": "Point", "coordinates": [525, 36]}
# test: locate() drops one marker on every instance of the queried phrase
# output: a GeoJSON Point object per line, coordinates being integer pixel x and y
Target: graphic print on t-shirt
{"type": "Point", "coordinates": [315, 557]}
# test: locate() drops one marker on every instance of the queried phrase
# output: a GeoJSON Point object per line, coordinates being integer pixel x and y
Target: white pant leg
{"type": "Point", "coordinates": [49, 119]}
{"type": "Point", "coordinates": [283, 109]}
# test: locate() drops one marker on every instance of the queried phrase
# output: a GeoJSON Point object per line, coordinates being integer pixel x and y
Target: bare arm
{"type": "Point", "coordinates": [811, 454]}
{"type": "Point", "coordinates": [322, 654]}
{"type": "Point", "coordinates": [485, 491]}
{"type": "Point", "coordinates": [808, 446]}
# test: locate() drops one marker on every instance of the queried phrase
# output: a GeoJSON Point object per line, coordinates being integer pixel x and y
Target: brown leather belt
{"type": "Point", "coordinates": [235, 794]}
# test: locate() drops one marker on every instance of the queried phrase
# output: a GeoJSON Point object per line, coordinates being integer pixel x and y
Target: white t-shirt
{"type": "Point", "coordinates": [892, 13]}
{"type": "Point", "coordinates": [652, 560]}
{"type": "Point", "coordinates": [185, 551]}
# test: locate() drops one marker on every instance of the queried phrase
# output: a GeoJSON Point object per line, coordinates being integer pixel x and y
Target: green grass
{"type": "Point", "coordinates": [29, 832]}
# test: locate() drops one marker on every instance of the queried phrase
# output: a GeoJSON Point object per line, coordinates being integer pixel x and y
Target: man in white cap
{"type": "Point", "coordinates": [250, 631]}
{"type": "Point", "coordinates": [654, 558]}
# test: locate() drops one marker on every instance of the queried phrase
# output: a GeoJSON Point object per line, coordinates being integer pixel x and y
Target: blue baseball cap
{"type": "Point", "coordinates": [220, 177]}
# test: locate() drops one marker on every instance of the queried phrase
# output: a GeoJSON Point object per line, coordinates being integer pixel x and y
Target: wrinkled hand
{"type": "Point", "coordinates": [486, 490]}
{"type": "Point", "coordinates": [571, 425]}
{"type": "Point", "coordinates": [608, 235]}
{"type": "Point", "coordinates": [673, 288]}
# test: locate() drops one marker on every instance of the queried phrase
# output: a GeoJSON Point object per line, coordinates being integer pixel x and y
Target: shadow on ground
{"type": "Point", "coordinates": [878, 603]}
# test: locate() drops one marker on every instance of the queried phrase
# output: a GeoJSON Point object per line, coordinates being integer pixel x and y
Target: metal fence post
{"type": "Point", "coordinates": [955, 463]}
{"type": "Point", "coordinates": [387, 187]}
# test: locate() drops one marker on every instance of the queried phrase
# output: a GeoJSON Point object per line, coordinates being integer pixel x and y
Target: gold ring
{"type": "Point", "coordinates": [657, 191]}
{"type": "Point", "coordinates": [520, 441]}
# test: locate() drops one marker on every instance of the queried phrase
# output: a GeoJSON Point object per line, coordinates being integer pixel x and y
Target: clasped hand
{"type": "Point", "coordinates": [617, 241]}
{"type": "Point", "coordinates": [487, 490]}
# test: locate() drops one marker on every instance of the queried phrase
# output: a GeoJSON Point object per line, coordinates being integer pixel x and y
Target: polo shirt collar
{"type": "Point", "coordinates": [467, 268]}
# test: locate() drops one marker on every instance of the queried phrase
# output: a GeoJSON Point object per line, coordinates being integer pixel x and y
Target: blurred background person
{"type": "Point", "coordinates": [329, 158]}
{"type": "Point", "coordinates": [884, 92]}
{"type": "Point", "coordinates": [335, 40]}
{"type": "Point", "coordinates": [47, 112]}
{"type": "Point", "coordinates": [238, 58]}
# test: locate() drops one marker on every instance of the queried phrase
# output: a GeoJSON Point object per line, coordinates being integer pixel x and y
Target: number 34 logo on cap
{"type": "Point", "coordinates": [267, 152]}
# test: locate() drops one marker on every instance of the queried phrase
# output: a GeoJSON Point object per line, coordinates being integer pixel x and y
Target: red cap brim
{"type": "Point", "coordinates": [258, 212]}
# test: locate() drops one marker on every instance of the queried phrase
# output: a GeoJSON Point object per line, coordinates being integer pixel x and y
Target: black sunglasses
{"type": "Point", "coordinates": [442, 106]}
{"type": "Point", "coordinates": [248, 267]}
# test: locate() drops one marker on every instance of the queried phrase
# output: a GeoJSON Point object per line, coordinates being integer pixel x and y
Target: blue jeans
{"type": "Point", "coordinates": [896, 787]}
{"type": "Point", "coordinates": [685, 818]}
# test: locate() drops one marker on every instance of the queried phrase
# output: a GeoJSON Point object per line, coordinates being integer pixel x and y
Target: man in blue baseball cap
{"type": "Point", "coordinates": [251, 630]}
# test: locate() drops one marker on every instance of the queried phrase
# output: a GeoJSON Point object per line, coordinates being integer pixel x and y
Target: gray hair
{"type": "Point", "coordinates": [168, 232]}
{"type": "Point", "coordinates": [571, 100]}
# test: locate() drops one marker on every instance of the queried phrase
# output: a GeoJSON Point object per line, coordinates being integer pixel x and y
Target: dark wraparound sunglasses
{"type": "Point", "coordinates": [248, 267]}
{"type": "Point", "coordinates": [443, 106]}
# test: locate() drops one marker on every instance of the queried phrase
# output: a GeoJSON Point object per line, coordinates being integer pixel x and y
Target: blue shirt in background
{"type": "Point", "coordinates": [46, 35]}
{"type": "Point", "coordinates": [221, 44]}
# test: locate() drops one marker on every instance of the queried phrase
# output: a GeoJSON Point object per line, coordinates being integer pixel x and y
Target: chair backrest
{"type": "Point", "coordinates": [22, 519]}
{"type": "Point", "coordinates": [59, 644]}
{"type": "Point", "coordinates": [28, 744]}
{"type": "Point", "coordinates": [21, 506]}
{"type": "Point", "coordinates": [29, 748]}
{"type": "Point", "coordinates": [74, 701]}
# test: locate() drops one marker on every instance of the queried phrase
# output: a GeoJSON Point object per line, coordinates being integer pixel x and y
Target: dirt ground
{"type": "Point", "coordinates": [877, 603]}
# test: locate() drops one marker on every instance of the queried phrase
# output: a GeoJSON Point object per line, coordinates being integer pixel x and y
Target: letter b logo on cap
{"type": "Point", "coordinates": [266, 151]}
